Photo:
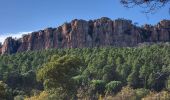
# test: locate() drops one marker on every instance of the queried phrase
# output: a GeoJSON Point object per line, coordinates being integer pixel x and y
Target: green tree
{"type": "Point", "coordinates": [113, 86]}
{"type": "Point", "coordinates": [4, 91]}
{"type": "Point", "coordinates": [133, 78]}
{"type": "Point", "coordinates": [58, 74]}
{"type": "Point", "coordinates": [109, 73]}
{"type": "Point", "coordinates": [96, 88]}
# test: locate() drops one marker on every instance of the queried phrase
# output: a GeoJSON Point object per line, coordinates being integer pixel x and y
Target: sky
{"type": "Point", "coordinates": [19, 17]}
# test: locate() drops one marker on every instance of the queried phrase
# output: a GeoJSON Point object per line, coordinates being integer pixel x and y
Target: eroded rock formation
{"type": "Point", "coordinates": [94, 33]}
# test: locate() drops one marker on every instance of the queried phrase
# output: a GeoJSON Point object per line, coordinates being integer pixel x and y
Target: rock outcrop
{"type": "Point", "coordinates": [0, 50]}
{"type": "Point", "coordinates": [10, 46]}
{"type": "Point", "coordinates": [94, 33]}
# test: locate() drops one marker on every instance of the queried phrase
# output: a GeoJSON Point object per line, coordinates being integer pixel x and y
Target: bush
{"type": "Point", "coordinates": [140, 93]}
{"type": "Point", "coordinates": [42, 96]}
{"type": "Point", "coordinates": [126, 93]}
{"type": "Point", "coordinates": [5, 93]}
{"type": "Point", "coordinates": [97, 86]}
{"type": "Point", "coordinates": [19, 97]}
{"type": "Point", "coordinates": [113, 86]}
{"type": "Point", "coordinates": [164, 95]}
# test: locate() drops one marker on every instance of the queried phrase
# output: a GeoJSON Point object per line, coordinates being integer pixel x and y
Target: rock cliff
{"type": "Point", "coordinates": [94, 33]}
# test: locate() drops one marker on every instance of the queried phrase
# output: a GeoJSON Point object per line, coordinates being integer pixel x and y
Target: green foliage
{"type": "Point", "coordinates": [140, 93]}
{"type": "Point", "coordinates": [109, 73]}
{"type": "Point", "coordinates": [5, 93]}
{"type": "Point", "coordinates": [59, 73]}
{"type": "Point", "coordinates": [3, 88]}
{"type": "Point", "coordinates": [113, 86]}
{"type": "Point", "coordinates": [139, 67]}
{"type": "Point", "coordinates": [80, 80]}
{"type": "Point", "coordinates": [19, 97]}
{"type": "Point", "coordinates": [97, 86]}
{"type": "Point", "coordinates": [128, 93]}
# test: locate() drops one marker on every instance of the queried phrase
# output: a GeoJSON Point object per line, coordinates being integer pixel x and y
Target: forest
{"type": "Point", "coordinates": [108, 73]}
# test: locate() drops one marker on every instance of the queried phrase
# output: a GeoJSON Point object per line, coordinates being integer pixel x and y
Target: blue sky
{"type": "Point", "coordinates": [22, 16]}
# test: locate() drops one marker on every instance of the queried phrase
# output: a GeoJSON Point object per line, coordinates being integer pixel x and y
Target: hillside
{"type": "Point", "coordinates": [100, 72]}
{"type": "Point", "coordinates": [94, 33]}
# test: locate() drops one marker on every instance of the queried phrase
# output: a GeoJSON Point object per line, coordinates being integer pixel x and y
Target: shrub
{"type": "Point", "coordinates": [140, 93]}
{"type": "Point", "coordinates": [42, 96]}
{"type": "Point", "coordinates": [97, 86]}
{"type": "Point", "coordinates": [126, 93]}
{"type": "Point", "coordinates": [113, 86]}
{"type": "Point", "coordinates": [5, 92]}
{"type": "Point", "coordinates": [19, 97]}
{"type": "Point", "coordinates": [164, 95]}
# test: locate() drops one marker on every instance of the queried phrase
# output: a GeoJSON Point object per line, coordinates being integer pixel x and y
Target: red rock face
{"type": "Point", "coordinates": [94, 33]}
{"type": "Point", "coordinates": [10, 46]}
{"type": "Point", "coordinates": [0, 50]}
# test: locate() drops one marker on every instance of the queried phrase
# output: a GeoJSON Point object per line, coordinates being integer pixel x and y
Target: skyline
{"type": "Point", "coordinates": [19, 17]}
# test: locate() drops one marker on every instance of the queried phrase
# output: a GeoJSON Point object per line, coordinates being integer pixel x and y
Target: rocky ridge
{"type": "Point", "coordinates": [94, 33]}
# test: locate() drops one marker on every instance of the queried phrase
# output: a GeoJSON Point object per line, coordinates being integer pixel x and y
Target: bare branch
{"type": "Point", "coordinates": [150, 6]}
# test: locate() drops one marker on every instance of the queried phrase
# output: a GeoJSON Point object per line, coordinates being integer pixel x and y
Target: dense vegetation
{"type": "Point", "coordinates": [91, 73]}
